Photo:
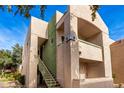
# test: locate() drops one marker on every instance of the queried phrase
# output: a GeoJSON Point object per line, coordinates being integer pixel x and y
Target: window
{"type": "Point", "coordinates": [62, 38]}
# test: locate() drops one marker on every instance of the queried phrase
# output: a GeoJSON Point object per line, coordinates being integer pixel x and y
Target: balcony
{"type": "Point", "coordinates": [89, 52]}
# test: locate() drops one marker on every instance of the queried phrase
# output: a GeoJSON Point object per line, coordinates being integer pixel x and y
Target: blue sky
{"type": "Point", "coordinates": [13, 29]}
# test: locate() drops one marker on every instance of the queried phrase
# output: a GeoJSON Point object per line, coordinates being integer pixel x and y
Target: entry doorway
{"type": "Point", "coordinates": [41, 52]}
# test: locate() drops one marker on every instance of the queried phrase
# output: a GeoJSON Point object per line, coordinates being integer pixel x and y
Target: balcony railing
{"type": "Point", "coordinates": [90, 51]}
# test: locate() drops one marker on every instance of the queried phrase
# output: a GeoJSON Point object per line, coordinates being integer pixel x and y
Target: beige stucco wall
{"type": "Point", "coordinates": [37, 29]}
{"type": "Point", "coordinates": [89, 51]}
{"type": "Point", "coordinates": [95, 70]}
{"type": "Point", "coordinates": [59, 52]}
{"type": "Point", "coordinates": [107, 55]}
{"type": "Point", "coordinates": [68, 65]}
{"type": "Point", "coordinates": [96, 39]}
{"type": "Point", "coordinates": [26, 56]}
{"type": "Point", "coordinates": [84, 12]}
{"type": "Point", "coordinates": [97, 83]}
{"type": "Point", "coordinates": [71, 56]}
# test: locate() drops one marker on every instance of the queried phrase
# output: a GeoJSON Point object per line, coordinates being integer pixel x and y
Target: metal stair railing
{"type": "Point", "coordinates": [45, 60]}
{"type": "Point", "coordinates": [47, 76]}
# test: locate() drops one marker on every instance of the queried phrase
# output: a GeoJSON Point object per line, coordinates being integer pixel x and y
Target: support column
{"type": "Point", "coordinates": [106, 55]}
{"type": "Point", "coordinates": [71, 56]}
{"type": "Point", "coordinates": [33, 61]}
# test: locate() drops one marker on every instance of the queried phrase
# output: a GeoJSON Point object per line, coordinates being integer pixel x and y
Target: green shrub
{"type": "Point", "coordinates": [14, 76]}
{"type": "Point", "coordinates": [7, 76]}
{"type": "Point", "coordinates": [21, 79]}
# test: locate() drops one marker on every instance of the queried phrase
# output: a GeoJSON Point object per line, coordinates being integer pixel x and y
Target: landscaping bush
{"type": "Point", "coordinates": [7, 76]}
{"type": "Point", "coordinates": [21, 79]}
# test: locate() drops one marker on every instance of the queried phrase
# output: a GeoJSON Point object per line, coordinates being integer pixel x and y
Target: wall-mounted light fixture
{"type": "Point", "coordinates": [70, 37]}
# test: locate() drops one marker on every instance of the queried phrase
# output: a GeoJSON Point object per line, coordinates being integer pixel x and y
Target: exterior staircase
{"type": "Point", "coordinates": [47, 76]}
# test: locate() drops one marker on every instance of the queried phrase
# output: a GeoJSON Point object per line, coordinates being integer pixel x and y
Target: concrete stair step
{"type": "Point", "coordinates": [48, 77]}
{"type": "Point", "coordinates": [53, 85]}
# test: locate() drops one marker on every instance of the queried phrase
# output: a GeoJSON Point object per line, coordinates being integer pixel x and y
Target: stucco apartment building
{"type": "Point", "coordinates": [69, 51]}
{"type": "Point", "coordinates": [117, 55]}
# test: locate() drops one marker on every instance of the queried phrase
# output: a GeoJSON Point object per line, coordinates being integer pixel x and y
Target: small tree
{"type": "Point", "coordinates": [11, 59]}
{"type": "Point", "coordinates": [17, 54]}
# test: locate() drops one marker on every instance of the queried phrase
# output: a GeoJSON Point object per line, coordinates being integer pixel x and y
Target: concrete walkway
{"type": "Point", "coordinates": [7, 84]}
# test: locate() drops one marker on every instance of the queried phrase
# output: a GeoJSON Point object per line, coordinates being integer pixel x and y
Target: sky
{"type": "Point", "coordinates": [13, 29]}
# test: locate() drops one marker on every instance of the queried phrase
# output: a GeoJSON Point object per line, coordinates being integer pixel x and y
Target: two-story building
{"type": "Point", "coordinates": [69, 51]}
